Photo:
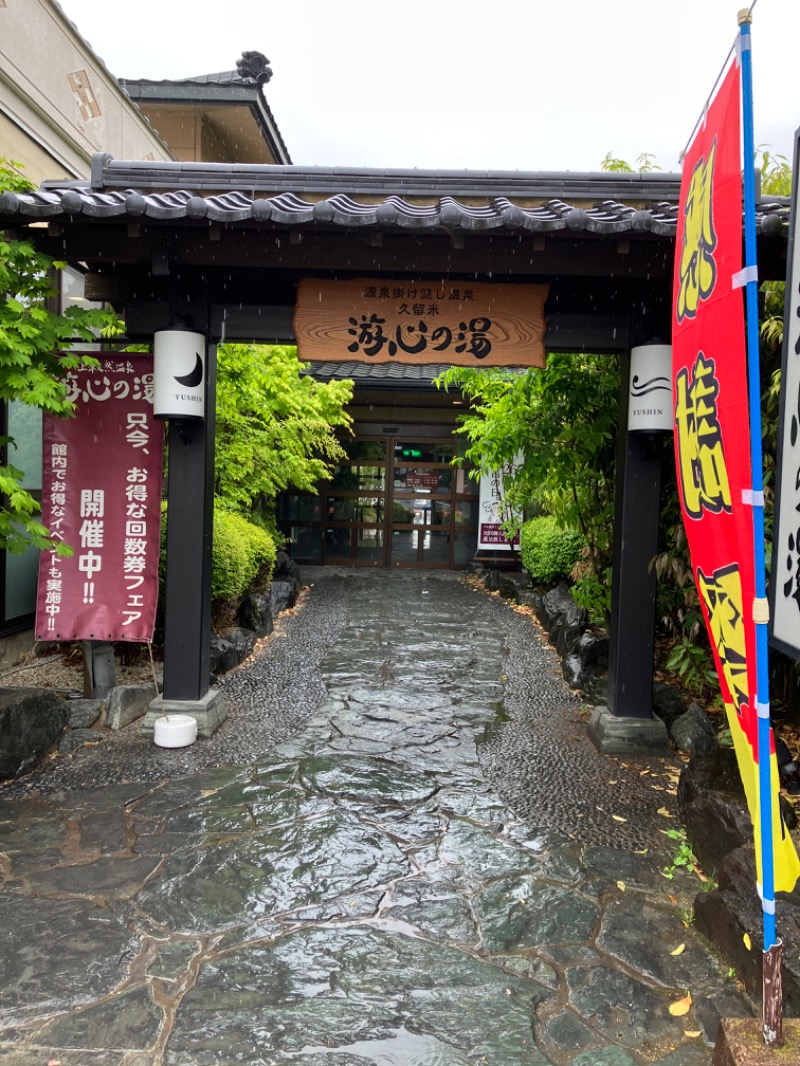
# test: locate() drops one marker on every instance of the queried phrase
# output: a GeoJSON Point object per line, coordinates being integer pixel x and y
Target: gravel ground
{"type": "Point", "coordinates": [63, 670]}
{"type": "Point", "coordinates": [287, 687]}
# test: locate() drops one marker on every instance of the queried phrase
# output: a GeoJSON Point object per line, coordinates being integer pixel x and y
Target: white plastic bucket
{"type": "Point", "coordinates": [175, 731]}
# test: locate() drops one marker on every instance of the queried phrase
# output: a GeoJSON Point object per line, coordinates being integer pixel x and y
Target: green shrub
{"type": "Point", "coordinates": [243, 561]}
{"type": "Point", "coordinates": [549, 552]}
{"type": "Point", "coordinates": [244, 557]}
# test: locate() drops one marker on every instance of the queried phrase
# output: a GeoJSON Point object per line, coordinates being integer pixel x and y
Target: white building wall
{"type": "Point", "coordinates": [58, 101]}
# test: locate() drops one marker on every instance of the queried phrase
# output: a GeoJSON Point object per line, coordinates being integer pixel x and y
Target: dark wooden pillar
{"type": "Point", "coordinates": [633, 594]}
{"type": "Point", "coordinates": [190, 533]}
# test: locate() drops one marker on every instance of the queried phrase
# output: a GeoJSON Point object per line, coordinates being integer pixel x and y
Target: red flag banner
{"type": "Point", "coordinates": [712, 446]}
{"type": "Point", "coordinates": [101, 495]}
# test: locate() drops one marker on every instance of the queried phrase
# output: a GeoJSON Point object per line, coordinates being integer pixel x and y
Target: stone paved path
{"type": "Point", "coordinates": [359, 894]}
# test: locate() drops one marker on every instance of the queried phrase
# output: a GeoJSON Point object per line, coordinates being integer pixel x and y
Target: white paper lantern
{"type": "Point", "coordinates": [179, 374]}
{"type": "Point", "coordinates": [650, 389]}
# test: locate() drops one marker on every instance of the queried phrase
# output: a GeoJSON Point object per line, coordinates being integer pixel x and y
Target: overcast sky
{"type": "Point", "coordinates": [492, 85]}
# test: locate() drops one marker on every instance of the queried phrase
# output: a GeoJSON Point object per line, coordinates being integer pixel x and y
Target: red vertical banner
{"type": "Point", "coordinates": [712, 443]}
{"type": "Point", "coordinates": [101, 495]}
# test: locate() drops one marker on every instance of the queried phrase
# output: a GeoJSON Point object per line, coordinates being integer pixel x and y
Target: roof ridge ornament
{"type": "Point", "coordinates": [254, 67]}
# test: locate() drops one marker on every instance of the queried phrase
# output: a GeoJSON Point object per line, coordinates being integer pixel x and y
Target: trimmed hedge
{"type": "Point", "coordinates": [244, 556]}
{"type": "Point", "coordinates": [548, 551]}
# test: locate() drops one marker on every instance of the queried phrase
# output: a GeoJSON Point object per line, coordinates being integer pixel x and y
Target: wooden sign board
{"type": "Point", "coordinates": [386, 320]}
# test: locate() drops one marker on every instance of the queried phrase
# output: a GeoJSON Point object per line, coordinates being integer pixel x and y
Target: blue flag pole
{"type": "Point", "coordinates": [772, 999]}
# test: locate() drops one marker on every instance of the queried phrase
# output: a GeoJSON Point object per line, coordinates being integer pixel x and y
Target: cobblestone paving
{"type": "Point", "coordinates": [400, 850]}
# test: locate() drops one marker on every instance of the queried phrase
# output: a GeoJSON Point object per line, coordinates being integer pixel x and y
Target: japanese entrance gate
{"type": "Point", "coordinates": [223, 249]}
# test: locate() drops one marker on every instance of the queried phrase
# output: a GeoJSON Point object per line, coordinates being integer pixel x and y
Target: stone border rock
{"type": "Point", "coordinates": [31, 720]}
{"type": "Point", "coordinates": [712, 806]}
{"type": "Point", "coordinates": [256, 616]}
{"type": "Point", "coordinates": [583, 651]}
{"type": "Point", "coordinates": [584, 655]}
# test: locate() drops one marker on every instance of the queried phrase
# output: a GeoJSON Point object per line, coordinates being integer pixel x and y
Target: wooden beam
{"type": "Point", "coordinates": [520, 255]}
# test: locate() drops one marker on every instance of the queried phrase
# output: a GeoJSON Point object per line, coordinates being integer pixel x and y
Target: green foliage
{"type": "Point", "coordinates": [275, 428]}
{"type": "Point", "coordinates": [34, 357]}
{"type": "Point", "coordinates": [686, 651]}
{"type": "Point", "coordinates": [683, 857]}
{"type": "Point", "coordinates": [243, 560]}
{"type": "Point", "coordinates": [693, 664]}
{"type": "Point", "coordinates": [645, 160]}
{"type": "Point", "coordinates": [401, 513]}
{"type": "Point", "coordinates": [776, 180]}
{"type": "Point", "coordinates": [593, 592]}
{"type": "Point", "coordinates": [547, 551]}
{"type": "Point", "coordinates": [775, 171]}
{"type": "Point", "coordinates": [244, 557]}
{"type": "Point", "coordinates": [562, 421]}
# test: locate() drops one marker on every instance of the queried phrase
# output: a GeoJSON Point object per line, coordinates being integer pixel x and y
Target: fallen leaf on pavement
{"type": "Point", "coordinates": [681, 1006]}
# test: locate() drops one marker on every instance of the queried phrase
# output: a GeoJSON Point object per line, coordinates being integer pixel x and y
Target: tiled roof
{"type": "Point", "coordinates": [224, 77]}
{"type": "Point", "coordinates": [221, 89]}
{"type": "Point", "coordinates": [376, 374]}
{"type": "Point", "coordinates": [364, 199]}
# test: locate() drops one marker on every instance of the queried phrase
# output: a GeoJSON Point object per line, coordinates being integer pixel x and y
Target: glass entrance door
{"type": "Point", "coordinates": [422, 503]}
{"type": "Point", "coordinates": [395, 501]}
{"type": "Point", "coordinates": [356, 502]}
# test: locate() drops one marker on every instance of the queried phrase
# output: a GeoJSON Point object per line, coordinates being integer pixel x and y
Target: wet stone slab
{"type": "Point", "coordinates": [353, 987]}
{"type": "Point", "coordinates": [32, 826]}
{"type": "Point", "coordinates": [607, 1056]}
{"type": "Point", "coordinates": [622, 1009]}
{"type": "Point", "coordinates": [365, 779]}
{"type": "Point", "coordinates": [15, 1055]}
{"type": "Point", "coordinates": [361, 891]}
{"type": "Point", "coordinates": [104, 832]}
{"type": "Point", "coordinates": [689, 1055]}
{"type": "Point", "coordinates": [108, 878]}
{"type": "Point", "coordinates": [643, 935]}
{"type": "Point", "coordinates": [412, 828]}
{"type": "Point", "coordinates": [566, 1034]}
{"type": "Point", "coordinates": [131, 1020]}
{"type": "Point", "coordinates": [481, 854]}
{"type": "Point", "coordinates": [524, 912]}
{"type": "Point", "coordinates": [637, 872]}
{"type": "Point", "coordinates": [436, 910]}
{"type": "Point", "coordinates": [264, 875]}
{"type": "Point", "coordinates": [57, 953]}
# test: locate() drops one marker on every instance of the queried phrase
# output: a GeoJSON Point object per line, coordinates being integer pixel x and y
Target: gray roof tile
{"type": "Point", "coordinates": [465, 201]}
{"type": "Point", "coordinates": [374, 374]}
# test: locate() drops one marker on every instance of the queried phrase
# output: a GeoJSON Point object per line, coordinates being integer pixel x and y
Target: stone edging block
{"type": "Point", "coordinates": [126, 703]}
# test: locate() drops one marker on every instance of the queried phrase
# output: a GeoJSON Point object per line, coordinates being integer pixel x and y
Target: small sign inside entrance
{"type": "Point", "coordinates": [494, 511]}
{"type": "Point", "coordinates": [382, 320]}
